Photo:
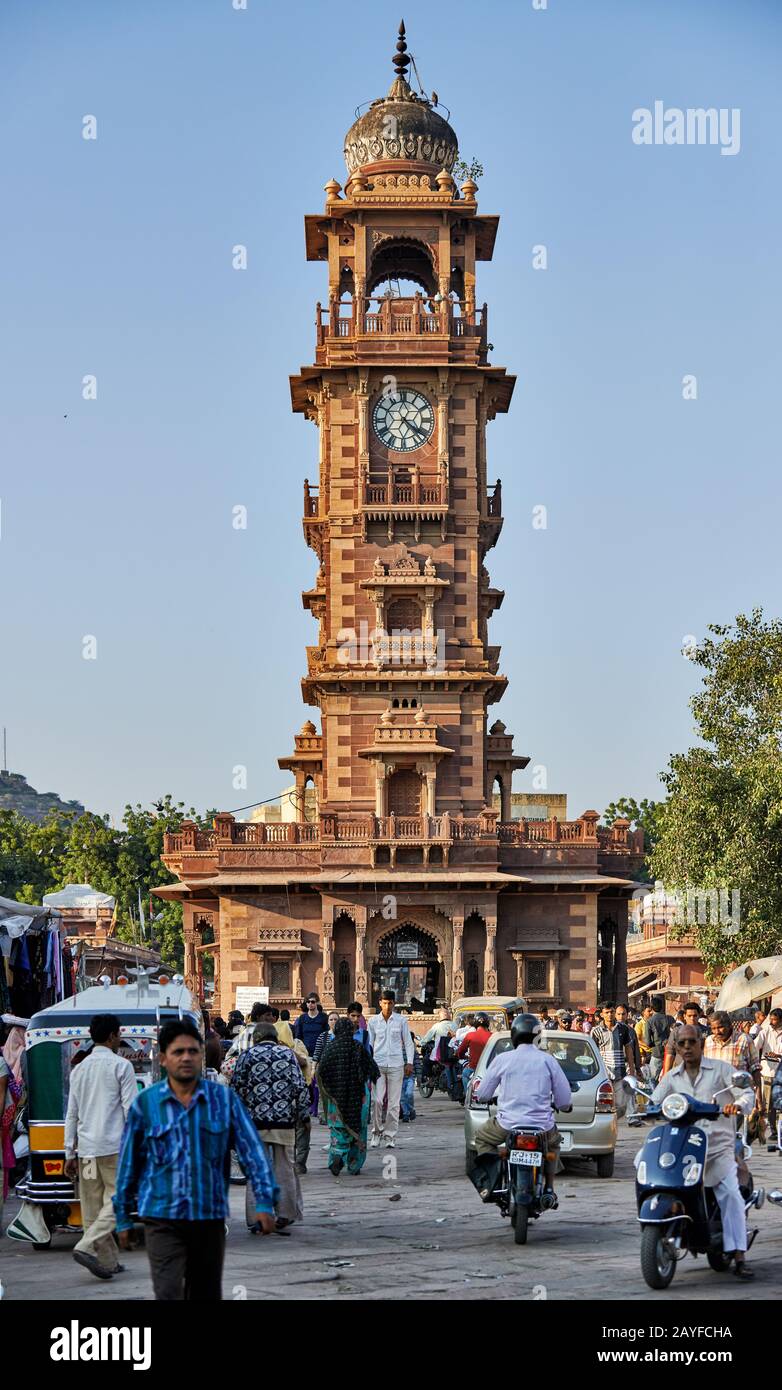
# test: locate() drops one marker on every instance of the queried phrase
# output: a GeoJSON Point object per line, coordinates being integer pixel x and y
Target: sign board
{"type": "Point", "coordinates": [247, 995]}
{"type": "Point", "coordinates": [408, 950]}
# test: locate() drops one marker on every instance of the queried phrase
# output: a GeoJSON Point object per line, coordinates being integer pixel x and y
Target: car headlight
{"type": "Point", "coordinates": [641, 1173]}
{"type": "Point", "coordinates": [675, 1106]}
{"type": "Point", "coordinates": [692, 1175]}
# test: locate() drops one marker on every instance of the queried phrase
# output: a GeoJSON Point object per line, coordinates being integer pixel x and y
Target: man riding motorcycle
{"type": "Point", "coordinates": [704, 1077]}
{"type": "Point", "coordinates": [527, 1080]}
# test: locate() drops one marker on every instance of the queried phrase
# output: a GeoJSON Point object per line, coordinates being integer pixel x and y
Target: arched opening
{"type": "Point", "coordinates": [402, 267]}
{"type": "Point", "coordinates": [474, 947]}
{"type": "Point", "coordinates": [407, 963]}
{"type": "Point", "coordinates": [343, 985]}
{"type": "Point", "coordinates": [344, 946]}
{"type": "Point", "coordinates": [405, 792]}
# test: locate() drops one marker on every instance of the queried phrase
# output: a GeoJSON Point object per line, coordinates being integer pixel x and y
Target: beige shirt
{"type": "Point", "coordinates": [713, 1077]}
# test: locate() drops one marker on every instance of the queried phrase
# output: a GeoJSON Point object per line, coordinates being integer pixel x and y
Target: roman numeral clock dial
{"type": "Point", "coordinates": [403, 420]}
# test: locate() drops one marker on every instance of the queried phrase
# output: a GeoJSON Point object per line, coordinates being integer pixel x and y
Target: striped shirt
{"type": "Point", "coordinates": [174, 1162]}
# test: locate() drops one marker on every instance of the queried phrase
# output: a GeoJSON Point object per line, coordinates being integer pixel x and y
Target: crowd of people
{"type": "Point", "coordinates": [248, 1092]}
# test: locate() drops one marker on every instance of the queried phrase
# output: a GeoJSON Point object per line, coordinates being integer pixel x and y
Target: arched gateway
{"type": "Point", "coordinates": [408, 962]}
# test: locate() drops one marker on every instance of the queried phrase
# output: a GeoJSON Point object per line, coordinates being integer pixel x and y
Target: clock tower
{"type": "Point", "coordinates": [403, 512]}
{"type": "Point", "coordinates": [402, 865]}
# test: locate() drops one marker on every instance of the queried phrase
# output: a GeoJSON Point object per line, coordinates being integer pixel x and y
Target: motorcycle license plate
{"type": "Point", "coordinates": [528, 1157]}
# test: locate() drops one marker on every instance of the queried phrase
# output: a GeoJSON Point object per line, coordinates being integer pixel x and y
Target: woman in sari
{"type": "Point", "coordinates": [345, 1076]}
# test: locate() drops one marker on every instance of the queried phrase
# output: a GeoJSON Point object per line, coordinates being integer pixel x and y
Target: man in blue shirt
{"type": "Point", "coordinates": [174, 1167]}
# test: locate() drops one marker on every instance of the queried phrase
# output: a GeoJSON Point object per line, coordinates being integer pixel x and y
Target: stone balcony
{"type": "Point", "coordinates": [356, 331]}
{"type": "Point", "coordinates": [363, 839]}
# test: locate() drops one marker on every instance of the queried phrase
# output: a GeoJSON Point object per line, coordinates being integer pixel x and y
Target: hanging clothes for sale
{"type": "Point", "coordinates": [32, 970]}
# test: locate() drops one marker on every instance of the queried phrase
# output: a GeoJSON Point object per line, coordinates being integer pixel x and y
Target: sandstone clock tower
{"type": "Point", "coordinates": [402, 872]}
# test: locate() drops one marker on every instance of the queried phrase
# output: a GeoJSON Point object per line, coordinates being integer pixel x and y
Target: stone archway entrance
{"type": "Point", "coordinates": [407, 962]}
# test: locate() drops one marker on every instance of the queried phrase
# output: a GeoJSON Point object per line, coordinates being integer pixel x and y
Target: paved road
{"type": "Point", "coordinates": [437, 1239]}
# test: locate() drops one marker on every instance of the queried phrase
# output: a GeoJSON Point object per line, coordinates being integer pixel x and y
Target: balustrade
{"type": "Point", "coordinates": [390, 317]}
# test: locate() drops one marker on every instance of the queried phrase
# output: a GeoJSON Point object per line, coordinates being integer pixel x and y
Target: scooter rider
{"type": "Point", "coordinates": [527, 1079]}
{"type": "Point", "coordinates": [704, 1077]}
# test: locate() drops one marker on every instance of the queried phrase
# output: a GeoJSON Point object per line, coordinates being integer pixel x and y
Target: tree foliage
{"type": "Point", "coordinates": [721, 825]}
{"type": "Point", "coordinates": [125, 862]}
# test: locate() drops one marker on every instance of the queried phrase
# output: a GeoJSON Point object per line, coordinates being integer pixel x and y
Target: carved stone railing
{"type": "Point", "coordinates": [408, 318]}
{"type": "Point", "coordinates": [402, 487]}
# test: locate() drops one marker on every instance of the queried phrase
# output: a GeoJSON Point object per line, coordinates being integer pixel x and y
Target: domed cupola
{"type": "Point", "coordinates": [401, 131]}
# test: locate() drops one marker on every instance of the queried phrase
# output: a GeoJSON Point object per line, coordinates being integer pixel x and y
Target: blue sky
{"type": "Point", "coordinates": [218, 127]}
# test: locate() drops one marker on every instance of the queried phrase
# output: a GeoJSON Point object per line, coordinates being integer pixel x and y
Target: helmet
{"type": "Point", "coordinates": [525, 1029]}
{"type": "Point", "coordinates": [482, 1020]}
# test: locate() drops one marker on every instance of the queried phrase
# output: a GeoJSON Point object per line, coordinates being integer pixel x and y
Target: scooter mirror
{"type": "Point", "coordinates": [742, 1080]}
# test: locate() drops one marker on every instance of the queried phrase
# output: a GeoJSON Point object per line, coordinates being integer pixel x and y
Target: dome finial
{"type": "Point", "coordinates": [401, 60]}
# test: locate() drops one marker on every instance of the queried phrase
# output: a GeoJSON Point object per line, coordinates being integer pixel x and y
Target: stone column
{"type": "Point", "coordinates": [362, 981]}
{"type": "Point", "coordinates": [490, 958]}
{"type": "Point", "coordinates": [457, 923]}
{"type": "Point", "coordinates": [327, 991]}
{"type": "Point", "coordinates": [443, 401]}
{"type": "Point", "coordinates": [191, 962]}
{"type": "Point", "coordinates": [505, 802]}
{"type": "Point", "coordinates": [431, 786]}
{"type": "Point", "coordinates": [296, 976]}
{"type": "Point", "coordinates": [518, 956]}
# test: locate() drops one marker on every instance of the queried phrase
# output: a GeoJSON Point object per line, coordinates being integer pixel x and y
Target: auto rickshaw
{"type": "Point", "coordinates": [50, 1200]}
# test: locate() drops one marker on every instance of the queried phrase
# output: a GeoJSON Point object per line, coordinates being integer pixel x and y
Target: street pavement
{"type": "Point", "coordinates": [412, 1226]}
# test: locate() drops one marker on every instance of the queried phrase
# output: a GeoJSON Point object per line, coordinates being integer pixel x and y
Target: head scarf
{"type": "Point", "coordinates": [285, 1034]}
{"type": "Point", "coordinates": [344, 1071]}
{"type": "Point", "coordinates": [14, 1050]}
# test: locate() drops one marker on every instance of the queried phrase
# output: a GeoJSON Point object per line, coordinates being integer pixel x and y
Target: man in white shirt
{"type": "Point", "coordinates": [709, 1079]}
{"type": "Point", "coordinates": [102, 1090]}
{"type": "Point", "coordinates": [393, 1050]}
{"type": "Point", "coordinates": [768, 1042]}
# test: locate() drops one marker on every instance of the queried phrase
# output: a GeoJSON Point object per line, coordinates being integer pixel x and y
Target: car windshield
{"type": "Point", "coordinates": [575, 1056]}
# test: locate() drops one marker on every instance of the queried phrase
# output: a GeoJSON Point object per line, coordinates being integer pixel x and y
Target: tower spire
{"type": "Point", "coordinates": [401, 59]}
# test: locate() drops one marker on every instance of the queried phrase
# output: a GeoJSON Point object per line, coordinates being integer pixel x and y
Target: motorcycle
{"type": "Point", "coordinates": [514, 1178]}
{"type": "Point", "coordinates": [433, 1076]}
{"type": "Point", "coordinates": [677, 1212]}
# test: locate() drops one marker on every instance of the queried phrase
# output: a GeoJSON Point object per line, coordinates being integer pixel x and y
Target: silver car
{"type": "Point", "coordinates": [590, 1130]}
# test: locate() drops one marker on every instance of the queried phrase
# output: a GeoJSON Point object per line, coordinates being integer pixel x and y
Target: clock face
{"type": "Point", "coordinates": [403, 420]}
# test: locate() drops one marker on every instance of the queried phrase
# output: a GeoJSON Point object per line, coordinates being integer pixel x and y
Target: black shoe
{"type": "Point", "coordinates": [743, 1271]}
{"type": "Point", "coordinates": [336, 1165]}
{"type": "Point", "coordinates": [549, 1201]}
{"type": "Point", "coordinates": [94, 1266]}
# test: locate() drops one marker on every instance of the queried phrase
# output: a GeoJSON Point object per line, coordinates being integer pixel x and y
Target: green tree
{"type": "Point", "coordinates": [85, 848]}
{"type": "Point", "coordinates": [721, 827]}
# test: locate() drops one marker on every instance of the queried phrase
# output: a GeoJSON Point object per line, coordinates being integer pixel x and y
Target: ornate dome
{"type": "Point", "coordinates": [400, 128]}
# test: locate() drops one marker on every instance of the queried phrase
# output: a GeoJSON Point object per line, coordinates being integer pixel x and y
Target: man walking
{"type": "Point", "coordinates": [392, 1049]}
{"type": "Point", "coordinates": [102, 1090]}
{"type": "Point", "coordinates": [174, 1167]}
{"type": "Point", "coordinates": [268, 1080]}
{"type": "Point", "coordinates": [769, 1044]}
{"type": "Point", "coordinates": [616, 1048]}
{"type": "Point", "coordinates": [740, 1053]}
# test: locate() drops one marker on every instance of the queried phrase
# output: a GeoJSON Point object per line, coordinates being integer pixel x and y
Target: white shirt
{"type": "Point", "coordinates": [713, 1079]}
{"type": "Point", "coordinates": [526, 1078]}
{"type": "Point", "coordinates": [768, 1039]}
{"type": "Point", "coordinates": [392, 1045]}
{"type": "Point", "coordinates": [102, 1090]}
